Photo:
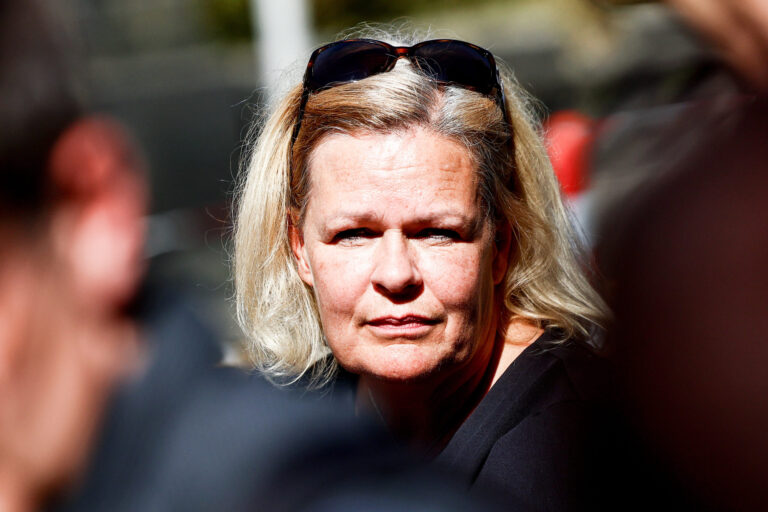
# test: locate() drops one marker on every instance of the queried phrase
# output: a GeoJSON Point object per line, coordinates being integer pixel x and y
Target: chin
{"type": "Point", "coordinates": [405, 363]}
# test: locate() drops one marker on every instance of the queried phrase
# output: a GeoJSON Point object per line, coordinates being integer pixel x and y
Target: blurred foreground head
{"type": "Point", "coordinates": [71, 239]}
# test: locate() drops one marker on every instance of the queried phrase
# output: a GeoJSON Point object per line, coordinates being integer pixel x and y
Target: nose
{"type": "Point", "coordinates": [395, 273]}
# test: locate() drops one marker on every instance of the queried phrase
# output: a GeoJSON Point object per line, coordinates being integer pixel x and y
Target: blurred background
{"type": "Point", "coordinates": [187, 76]}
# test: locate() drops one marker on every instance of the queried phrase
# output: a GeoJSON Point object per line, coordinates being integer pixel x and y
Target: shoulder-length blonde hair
{"type": "Point", "coordinates": [545, 281]}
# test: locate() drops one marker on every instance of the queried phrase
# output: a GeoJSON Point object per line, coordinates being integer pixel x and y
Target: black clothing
{"type": "Point", "coordinates": [532, 438]}
{"type": "Point", "coordinates": [548, 435]}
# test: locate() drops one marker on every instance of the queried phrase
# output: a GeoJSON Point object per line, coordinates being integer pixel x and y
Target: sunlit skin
{"type": "Point", "coordinates": [405, 266]}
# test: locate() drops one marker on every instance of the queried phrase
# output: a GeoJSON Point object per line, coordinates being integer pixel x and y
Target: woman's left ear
{"type": "Point", "coordinates": [299, 250]}
{"type": "Point", "coordinates": [502, 243]}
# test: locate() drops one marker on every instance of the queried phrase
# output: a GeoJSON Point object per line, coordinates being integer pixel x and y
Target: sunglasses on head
{"type": "Point", "coordinates": [446, 61]}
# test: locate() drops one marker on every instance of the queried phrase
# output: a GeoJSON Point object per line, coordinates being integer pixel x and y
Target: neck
{"type": "Point", "coordinates": [426, 414]}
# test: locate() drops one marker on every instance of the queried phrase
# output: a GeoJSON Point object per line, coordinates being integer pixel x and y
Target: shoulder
{"type": "Point", "coordinates": [530, 438]}
{"type": "Point", "coordinates": [551, 372]}
{"type": "Point", "coordinates": [579, 368]}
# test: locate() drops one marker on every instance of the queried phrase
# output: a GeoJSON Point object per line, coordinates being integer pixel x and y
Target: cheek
{"type": "Point", "coordinates": [462, 279]}
{"type": "Point", "coordinates": [465, 288]}
{"type": "Point", "coordinates": [339, 280]}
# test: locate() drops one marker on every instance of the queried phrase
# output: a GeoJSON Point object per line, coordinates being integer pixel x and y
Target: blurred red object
{"type": "Point", "coordinates": [570, 135]}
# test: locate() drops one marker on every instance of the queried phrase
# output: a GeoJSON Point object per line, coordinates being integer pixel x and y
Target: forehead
{"type": "Point", "coordinates": [414, 170]}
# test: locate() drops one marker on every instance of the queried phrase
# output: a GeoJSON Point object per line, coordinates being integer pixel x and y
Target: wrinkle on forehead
{"type": "Point", "coordinates": [385, 144]}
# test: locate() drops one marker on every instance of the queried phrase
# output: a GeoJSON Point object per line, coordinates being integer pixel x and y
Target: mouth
{"type": "Point", "coordinates": [408, 326]}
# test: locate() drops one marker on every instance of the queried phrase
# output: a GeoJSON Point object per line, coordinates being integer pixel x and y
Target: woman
{"type": "Point", "coordinates": [399, 211]}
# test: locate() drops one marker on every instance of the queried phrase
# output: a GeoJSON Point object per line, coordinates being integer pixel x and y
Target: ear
{"type": "Point", "coordinates": [97, 219]}
{"type": "Point", "coordinates": [502, 245]}
{"type": "Point", "coordinates": [299, 250]}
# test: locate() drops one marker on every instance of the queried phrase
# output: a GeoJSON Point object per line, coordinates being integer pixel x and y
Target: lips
{"type": "Point", "coordinates": [408, 326]}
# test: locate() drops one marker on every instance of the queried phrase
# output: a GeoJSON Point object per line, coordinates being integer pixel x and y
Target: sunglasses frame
{"type": "Point", "coordinates": [395, 53]}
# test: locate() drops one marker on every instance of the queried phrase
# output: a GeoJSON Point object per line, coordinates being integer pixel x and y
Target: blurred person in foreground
{"type": "Point", "coordinates": [400, 228]}
{"type": "Point", "coordinates": [71, 234]}
{"type": "Point", "coordinates": [109, 399]}
{"type": "Point", "coordinates": [689, 284]}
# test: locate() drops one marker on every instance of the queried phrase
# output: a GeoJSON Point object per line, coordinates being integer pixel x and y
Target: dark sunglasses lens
{"type": "Point", "coordinates": [347, 62]}
{"type": "Point", "coordinates": [454, 62]}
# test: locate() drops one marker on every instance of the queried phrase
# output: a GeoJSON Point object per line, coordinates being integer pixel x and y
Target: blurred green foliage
{"type": "Point", "coordinates": [333, 15]}
{"type": "Point", "coordinates": [227, 20]}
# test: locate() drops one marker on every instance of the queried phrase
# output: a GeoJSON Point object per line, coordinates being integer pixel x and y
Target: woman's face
{"type": "Point", "coordinates": [400, 256]}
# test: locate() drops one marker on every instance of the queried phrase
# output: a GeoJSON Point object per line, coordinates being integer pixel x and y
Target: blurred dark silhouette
{"type": "Point", "coordinates": [71, 227]}
{"type": "Point", "coordinates": [686, 277]}
{"type": "Point", "coordinates": [110, 398]}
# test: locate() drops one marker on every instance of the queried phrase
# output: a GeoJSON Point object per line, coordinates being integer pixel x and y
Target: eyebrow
{"type": "Point", "coordinates": [341, 219]}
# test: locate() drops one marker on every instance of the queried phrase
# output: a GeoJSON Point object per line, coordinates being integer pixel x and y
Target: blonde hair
{"type": "Point", "coordinates": [546, 280]}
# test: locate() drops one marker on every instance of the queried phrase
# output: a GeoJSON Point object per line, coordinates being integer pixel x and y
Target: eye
{"type": "Point", "coordinates": [353, 235]}
{"type": "Point", "coordinates": [438, 234]}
